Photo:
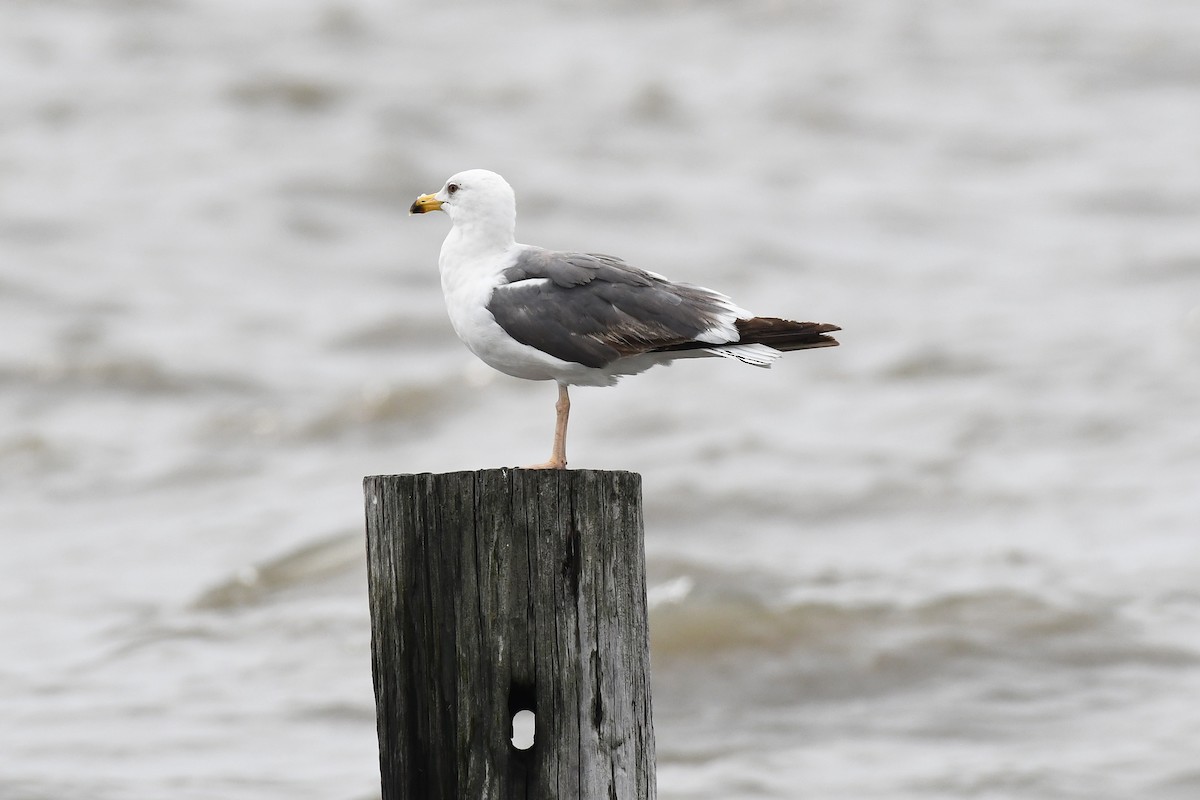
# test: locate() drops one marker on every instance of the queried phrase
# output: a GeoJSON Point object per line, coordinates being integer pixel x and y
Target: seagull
{"type": "Point", "coordinates": [580, 319]}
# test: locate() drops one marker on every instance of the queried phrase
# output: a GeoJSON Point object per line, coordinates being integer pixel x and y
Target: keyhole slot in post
{"type": "Point", "coordinates": [522, 718]}
{"type": "Point", "coordinates": [523, 725]}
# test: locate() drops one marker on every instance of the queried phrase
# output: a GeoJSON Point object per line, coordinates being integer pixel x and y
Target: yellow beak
{"type": "Point", "coordinates": [425, 202]}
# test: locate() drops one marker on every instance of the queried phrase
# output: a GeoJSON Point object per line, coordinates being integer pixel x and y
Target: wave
{"type": "Point", "coordinates": [119, 373]}
{"type": "Point", "coordinates": [305, 567]}
{"type": "Point", "coordinates": [408, 405]}
{"type": "Point", "coordinates": [702, 618]}
{"type": "Point", "coordinates": [367, 411]}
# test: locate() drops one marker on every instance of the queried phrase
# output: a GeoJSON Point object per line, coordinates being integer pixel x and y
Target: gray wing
{"type": "Point", "coordinates": [593, 309]}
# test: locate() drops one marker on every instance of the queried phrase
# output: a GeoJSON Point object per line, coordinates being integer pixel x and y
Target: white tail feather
{"type": "Point", "coordinates": [757, 355]}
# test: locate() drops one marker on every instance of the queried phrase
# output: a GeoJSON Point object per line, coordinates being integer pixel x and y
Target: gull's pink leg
{"type": "Point", "coordinates": [558, 458]}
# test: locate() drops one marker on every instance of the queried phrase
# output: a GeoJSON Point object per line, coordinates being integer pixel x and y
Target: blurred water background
{"type": "Point", "coordinates": [956, 557]}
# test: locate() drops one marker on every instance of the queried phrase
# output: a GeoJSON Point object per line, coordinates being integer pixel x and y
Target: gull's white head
{"type": "Point", "coordinates": [473, 197]}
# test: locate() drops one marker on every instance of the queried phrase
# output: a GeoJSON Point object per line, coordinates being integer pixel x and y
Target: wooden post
{"type": "Point", "coordinates": [500, 591]}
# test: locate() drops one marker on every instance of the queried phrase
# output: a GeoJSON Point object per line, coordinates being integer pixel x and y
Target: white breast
{"type": "Point", "coordinates": [467, 284]}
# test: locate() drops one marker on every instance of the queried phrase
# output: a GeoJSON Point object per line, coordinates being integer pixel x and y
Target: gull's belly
{"type": "Point", "coordinates": [467, 286]}
{"type": "Point", "coordinates": [479, 331]}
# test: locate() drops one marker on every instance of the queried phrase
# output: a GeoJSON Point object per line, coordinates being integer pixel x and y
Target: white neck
{"type": "Point", "coordinates": [462, 251]}
{"type": "Point", "coordinates": [478, 241]}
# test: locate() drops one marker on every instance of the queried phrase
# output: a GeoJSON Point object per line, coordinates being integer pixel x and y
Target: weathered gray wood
{"type": "Point", "coordinates": [502, 590]}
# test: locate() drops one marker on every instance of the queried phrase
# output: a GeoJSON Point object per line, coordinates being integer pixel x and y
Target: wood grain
{"type": "Point", "coordinates": [498, 591]}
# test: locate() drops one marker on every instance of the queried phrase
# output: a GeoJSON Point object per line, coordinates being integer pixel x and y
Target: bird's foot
{"type": "Point", "coordinates": [551, 464]}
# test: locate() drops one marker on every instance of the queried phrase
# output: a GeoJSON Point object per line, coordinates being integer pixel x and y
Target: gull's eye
{"type": "Point", "coordinates": [452, 188]}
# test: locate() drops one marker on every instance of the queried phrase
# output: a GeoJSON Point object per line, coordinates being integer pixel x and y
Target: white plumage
{"type": "Point", "coordinates": [579, 318]}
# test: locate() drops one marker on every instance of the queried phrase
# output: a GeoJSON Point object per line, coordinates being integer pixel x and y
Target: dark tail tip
{"type": "Point", "coordinates": [786, 334]}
